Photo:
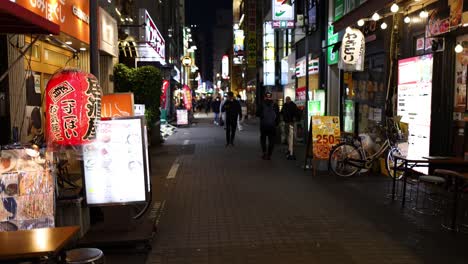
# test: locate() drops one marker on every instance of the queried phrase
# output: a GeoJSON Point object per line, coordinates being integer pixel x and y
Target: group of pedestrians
{"type": "Point", "coordinates": [269, 114]}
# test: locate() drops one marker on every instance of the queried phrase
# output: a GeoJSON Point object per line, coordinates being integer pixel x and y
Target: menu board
{"type": "Point", "coordinates": [182, 117]}
{"type": "Point", "coordinates": [414, 103]}
{"type": "Point", "coordinates": [115, 163]}
{"type": "Point", "coordinates": [325, 134]}
{"type": "Point", "coordinates": [26, 190]}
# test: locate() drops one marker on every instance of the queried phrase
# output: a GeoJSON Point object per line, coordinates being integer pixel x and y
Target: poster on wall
{"type": "Point", "coordinates": [182, 117]}
{"type": "Point", "coordinates": [115, 163]}
{"type": "Point", "coordinates": [117, 105]}
{"type": "Point", "coordinates": [461, 64]}
{"type": "Point", "coordinates": [414, 103]}
{"type": "Point", "coordinates": [26, 190]}
{"type": "Point", "coordinates": [325, 135]}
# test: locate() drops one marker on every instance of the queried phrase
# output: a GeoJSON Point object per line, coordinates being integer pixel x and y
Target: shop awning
{"type": "Point", "coordinates": [17, 19]}
{"type": "Point", "coordinates": [362, 11]}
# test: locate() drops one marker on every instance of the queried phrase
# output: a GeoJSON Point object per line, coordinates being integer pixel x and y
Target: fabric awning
{"type": "Point", "coordinates": [362, 11]}
{"type": "Point", "coordinates": [17, 19]}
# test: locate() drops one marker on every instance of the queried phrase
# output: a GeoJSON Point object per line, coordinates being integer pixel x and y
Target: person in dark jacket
{"type": "Point", "coordinates": [269, 120]}
{"type": "Point", "coordinates": [233, 110]}
{"type": "Point", "coordinates": [289, 113]}
{"type": "Point", "coordinates": [215, 107]}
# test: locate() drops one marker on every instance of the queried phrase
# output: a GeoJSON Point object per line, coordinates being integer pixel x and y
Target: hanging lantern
{"type": "Point", "coordinates": [73, 107]}
{"type": "Point", "coordinates": [352, 50]}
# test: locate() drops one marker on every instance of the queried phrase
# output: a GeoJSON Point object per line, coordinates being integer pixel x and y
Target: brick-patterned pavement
{"type": "Point", "coordinates": [227, 205]}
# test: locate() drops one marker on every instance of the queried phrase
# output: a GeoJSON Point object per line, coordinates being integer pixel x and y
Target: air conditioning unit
{"type": "Point", "coordinates": [438, 44]}
{"type": "Point", "coordinates": [300, 20]}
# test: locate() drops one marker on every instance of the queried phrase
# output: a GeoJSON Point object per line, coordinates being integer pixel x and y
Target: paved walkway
{"type": "Point", "coordinates": [227, 205]}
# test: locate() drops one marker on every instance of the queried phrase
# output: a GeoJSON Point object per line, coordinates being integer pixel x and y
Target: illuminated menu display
{"type": "Point", "coordinates": [414, 102]}
{"type": "Point", "coordinates": [114, 165]}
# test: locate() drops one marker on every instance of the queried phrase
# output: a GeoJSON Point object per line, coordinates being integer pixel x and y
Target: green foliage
{"type": "Point", "coordinates": [123, 77]}
{"type": "Point", "coordinates": [145, 83]}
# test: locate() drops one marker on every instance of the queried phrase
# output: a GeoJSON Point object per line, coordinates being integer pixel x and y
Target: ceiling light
{"type": "Point", "coordinates": [360, 22]}
{"type": "Point", "coordinates": [68, 42]}
{"type": "Point", "coordinates": [375, 16]}
{"type": "Point", "coordinates": [407, 19]}
{"type": "Point", "coordinates": [394, 8]}
{"type": "Point", "coordinates": [82, 49]}
{"type": "Point", "coordinates": [458, 48]}
{"type": "Point", "coordinates": [383, 25]}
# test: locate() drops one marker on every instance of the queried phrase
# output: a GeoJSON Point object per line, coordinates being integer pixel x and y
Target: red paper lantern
{"type": "Point", "coordinates": [73, 107]}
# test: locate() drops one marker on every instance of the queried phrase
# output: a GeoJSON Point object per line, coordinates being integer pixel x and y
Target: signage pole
{"type": "Point", "coordinates": [94, 38]}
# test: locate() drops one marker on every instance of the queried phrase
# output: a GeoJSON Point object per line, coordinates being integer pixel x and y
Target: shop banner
{"type": "Point", "coordinates": [117, 105]}
{"type": "Point", "coordinates": [164, 89]}
{"type": "Point", "coordinates": [187, 97]}
{"type": "Point", "coordinates": [301, 96]}
{"type": "Point", "coordinates": [71, 15]}
{"type": "Point", "coordinates": [343, 7]}
{"type": "Point", "coordinates": [443, 20]}
{"type": "Point", "coordinates": [73, 107]}
{"type": "Point", "coordinates": [325, 134]}
{"type": "Point", "coordinates": [27, 190]}
{"type": "Point", "coordinates": [282, 10]}
{"type": "Point", "coordinates": [115, 170]}
{"type": "Point", "coordinates": [352, 51]}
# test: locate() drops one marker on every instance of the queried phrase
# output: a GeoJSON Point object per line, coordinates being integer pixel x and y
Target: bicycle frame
{"type": "Point", "coordinates": [367, 162]}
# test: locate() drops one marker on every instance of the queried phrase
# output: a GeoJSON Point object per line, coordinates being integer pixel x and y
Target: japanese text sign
{"type": "Point", "coordinates": [283, 10]}
{"type": "Point", "coordinates": [325, 134]}
{"type": "Point", "coordinates": [73, 107]}
{"type": "Point", "coordinates": [352, 51]}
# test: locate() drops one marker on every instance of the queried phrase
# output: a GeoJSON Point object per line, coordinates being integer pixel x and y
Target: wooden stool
{"type": "Point", "coordinates": [85, 255]}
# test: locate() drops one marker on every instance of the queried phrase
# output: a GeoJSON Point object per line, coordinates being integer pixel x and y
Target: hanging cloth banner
{"type": "Point", "coordinates": [187, 97]}
{"type": "Point", "coordinates": [352, 52]}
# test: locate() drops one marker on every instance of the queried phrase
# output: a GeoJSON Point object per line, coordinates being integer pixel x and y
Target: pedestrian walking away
{"type": "Point", "coordinates": [215, 107]}
{"type": "Point", "coordinates": [290, 113]}
{"type": "Point", "coordinates": [232, 110]}
{"type": "Point", "coordinates": [269, 119]}
{"type": "Point", "coordinates": [240, 120]}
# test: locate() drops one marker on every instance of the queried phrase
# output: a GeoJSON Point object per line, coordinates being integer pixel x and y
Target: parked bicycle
{"type": "Point", "coordinates": [349, 157]}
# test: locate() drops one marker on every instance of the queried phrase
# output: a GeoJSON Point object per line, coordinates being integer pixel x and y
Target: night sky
{"type": "Point", "coordinates": [202, 14]}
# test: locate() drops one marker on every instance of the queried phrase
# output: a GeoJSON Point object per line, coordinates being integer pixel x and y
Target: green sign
{"type": "Point", "coordinates": [343, 7]}
{"type": "Point", "coordinates": [332, 57]}
{"type": "Point", "coordinates": [339, 9]}
{"type": "Point", "coordinates": [313, 109]}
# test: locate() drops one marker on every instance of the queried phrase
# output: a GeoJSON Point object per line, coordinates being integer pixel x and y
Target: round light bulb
{"type": "Point", "coordinates": [375, 16]}
{"type": "Point", "coordinates": [394, 8]}
{"type": "Point", "coordinates": [360, 22]}
{"type": "Point", "coordinates": [458, 48]}
{"type": "Point", "coordinates": [383, 25]}
{"type": "Point", "coordinates": [423, 14]}
{"type": "Point", "coordinates": [407, 19]}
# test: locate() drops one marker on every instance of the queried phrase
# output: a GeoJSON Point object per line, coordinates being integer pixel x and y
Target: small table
{"type": "Point", "coordinates": [36, 243]}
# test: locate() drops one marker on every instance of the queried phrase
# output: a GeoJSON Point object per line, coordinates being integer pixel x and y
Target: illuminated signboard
{"type": "Point", "coordinates": [225, 67]}
{"type": "Point", "coordinates": [153, 47]}
{"type": "Point", "coordinates": [115, 163]}
{"type": "Point", "coordinates": [352, 50]}
{"type": "Point", "coordinates": [283, 10]}
{"type": "Point", "coordinates": [268, 54]}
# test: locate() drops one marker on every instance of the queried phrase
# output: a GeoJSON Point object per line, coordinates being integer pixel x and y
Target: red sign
{"type": "Point", "coordinates": [187, 97]}
{"type": "Point", "coordinates": [73, 107]}
{"type": "Point", "coordinates": [164, 89]}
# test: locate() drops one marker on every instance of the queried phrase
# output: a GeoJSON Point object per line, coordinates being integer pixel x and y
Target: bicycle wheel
{"type": "Point", "coordinates": [390, 162]}
{"type": "Point", "coordinates": [337, 160]}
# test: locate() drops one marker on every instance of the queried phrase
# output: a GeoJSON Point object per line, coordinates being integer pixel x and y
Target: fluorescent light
{"type": "Point", "coordinates": [68, 42]}
{"type": "Point", "coordinates": [241, 20]}
{"type": "Point", "coordinates": [82, 49]}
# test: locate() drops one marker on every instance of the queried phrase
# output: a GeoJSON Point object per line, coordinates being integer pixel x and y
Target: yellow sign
{"type": "Point", "coordinates": [325, 134]}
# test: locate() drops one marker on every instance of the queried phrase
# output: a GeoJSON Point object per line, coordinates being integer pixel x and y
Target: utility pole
{"type": "Point", "coordinates": [93, 37]}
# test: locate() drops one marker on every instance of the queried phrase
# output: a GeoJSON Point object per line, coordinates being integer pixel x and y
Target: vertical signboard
{"type": "Point", "coordinates": [225, 67]}
{"type": "Point", "coordinates": [251, 34]}
{"type": "Point", "coordinates": [153, 46]}
{"type": "Point", "coordinates": [414, 103]}
{"type": "Point", "coordinates": [332, 57]}
{"type": "Point", "coordinates": [325, 134]}
{"type": "Point", "coordinates": [268, 54]}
